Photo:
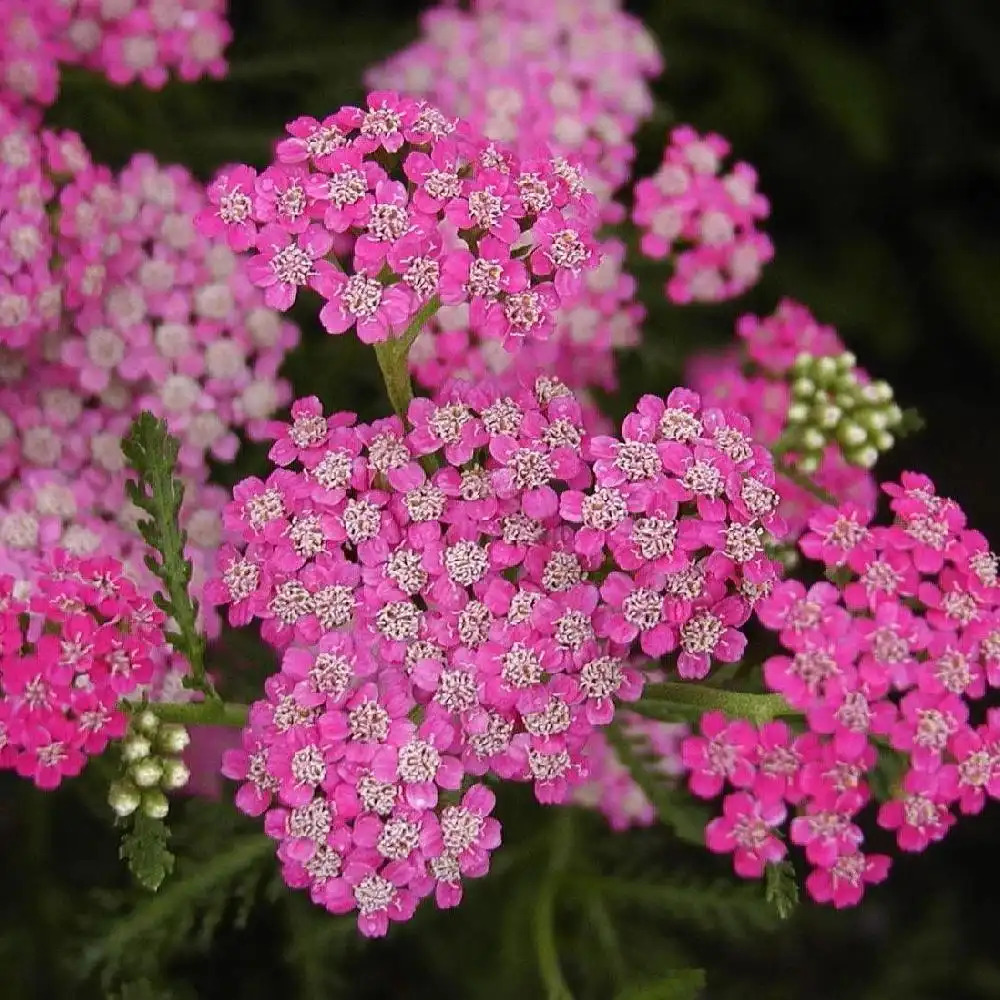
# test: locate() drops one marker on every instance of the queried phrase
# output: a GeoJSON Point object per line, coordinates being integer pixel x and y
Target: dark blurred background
{"type": "Point", "coordinates": [874, 127]}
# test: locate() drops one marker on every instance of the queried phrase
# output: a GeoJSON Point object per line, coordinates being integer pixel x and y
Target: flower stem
{"type": "Point", "coordinates": [392, 356]}
{"type": "Point", "coordinates": [737, 704]}
{"type": "Point", "coordinates": [194, 713]}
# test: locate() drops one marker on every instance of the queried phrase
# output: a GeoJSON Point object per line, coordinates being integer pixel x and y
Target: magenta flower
{"type": "Point", "coordinates": [744, 829]}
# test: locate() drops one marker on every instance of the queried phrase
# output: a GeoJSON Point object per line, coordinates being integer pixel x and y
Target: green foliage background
{"type": "Point", "coordinates": [873, 126]}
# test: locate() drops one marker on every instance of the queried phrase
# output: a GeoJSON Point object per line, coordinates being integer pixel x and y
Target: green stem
{"type": "Point", "coordinates": [801, 479]}
{"type": "Point", "coordinates": [737, 704]}
{"type": "Point", "coordinates": [195, 713]}
{"type": "Point", "coordinates": [556, 987]}
{"type": "Point", "coordinates": [392, 358]}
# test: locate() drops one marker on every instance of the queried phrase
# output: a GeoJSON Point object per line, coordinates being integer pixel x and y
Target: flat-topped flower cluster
{"type": "Point", "coordinates": [703, 220]}
{"type": "Point", "coordinates": [467, 597]}
{"type": "Point", "coordinates": [888, 665]}
{"type": "Point", "coordinates": [126, 40]}
{"type": "Point", "coordinates": [384, 208]}
{"type": "Point", "coordinates": [111, 304]}
{"type": "Point", "coordinates": [72, 645]}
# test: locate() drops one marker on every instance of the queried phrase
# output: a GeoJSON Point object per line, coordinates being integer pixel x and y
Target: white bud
{"type": "Point", "coordinates": [813, 439]}
{"type": "Point", "coordinates": [874, 420]}
{"type": "Point", "coordinates": [175, 774]}
{"type": "Point", "coordinates": [146, 723]}
{"type": "Point", "coordinates": [826, 369]}
{"type": "Point", "coordinates": [154, 803]}
{"type": "Point", "coordinates": [865, 457]}
{"type": "Point", "coordinates": [798, 413]}
{"type": "Point", "coordinates": [124, 798]}
{"type": "Point", "coordinates": [809, 463]}
{"type": "Point", "coordinates": [829, 416]}
{"type": "Point", "coordinates": [173, 738]}
{"type": "Point", "coordinates": [135, 748]}
{"type": "Point", "coordinates": [846, 361]}
{"type": "Point", "coordinates": [883, 441]}
{"type": "Point", "coordinates": [851, 435]}
{"type": "Point", "coordinates": [893, 415]}
{"type": "Point", "coordinates": [803, 388]}
{"type": "Point", "coordinates": [147, 773]}
{"type": "Point", "coordinates": [803, 363]}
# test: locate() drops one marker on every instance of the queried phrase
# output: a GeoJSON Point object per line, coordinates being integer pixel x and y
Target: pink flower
{"type": "Point", "coordinates": [744, 829]}
{"type": "Point", "coordinates": [843, 882]}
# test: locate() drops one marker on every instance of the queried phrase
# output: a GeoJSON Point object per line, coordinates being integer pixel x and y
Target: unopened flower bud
{"type": "Point", "coordinates": [803, 388]}
{"type": "Point", "coordinates": [124, 798]}
{"type": "Point", "coordinates": [812, 439]}
{"type": "Point", "coordinates": [173, 738]}
{"type": "Point", "coordinates": [147, 773]}
{"type": "Point", "coordinates": [893, 415]}
{"type": "Point", "coordinates": [883, 441]}
{"type": "Point", "coordinates": [809, 463]}
{"type": "Point", "coordinates": [798, 413]}
{"type": "Point", "coordinates": [865, 457]}
{"type": "Point", "coordinates": [154, 803]}
{"type": "Point", "coordinates": [146, 723]}
{"type": "Point", "coordinates": [851, 435]}
{"type": "Point", "coordinates": [846, 361]}
{"type": "Point", "coordinates": [175, 774]}
{"type": "Point", "coordinates": [828, 416]}
{"type": "Point", "coordinates": [135, 748]}
{"type": "Point", "coordinates": [826, 369]}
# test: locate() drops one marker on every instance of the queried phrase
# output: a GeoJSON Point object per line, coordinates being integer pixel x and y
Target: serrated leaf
{"type": "Point", "coordinates": [144, 848]}
{"type": "Point", "coordinates": [679, 984]}
{"type": "Point", "coordinates": [781, 889]}
{"type": "Point", "coordinates": [151, 452]}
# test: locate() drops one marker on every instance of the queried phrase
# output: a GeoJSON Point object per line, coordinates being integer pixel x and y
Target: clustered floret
{"type": "Point", "coordinates": [888, 666]}
{"type": "Point", "coordinates": [467, 597]}
{"type": "Point", "coordinates": [110, 304]}
{"type": "Point", "coordinates": [567, 75]}
{"type": "Point", "coordinates": [574, 78]}
{"type": "Point", "coordinates": [126, 40]}
{"type": "Point", "coordinates": [704, 221]}
{"type": "Point", "coordinates": [392, 208]}
{"type": "Point", "coordinates": [72, 645]}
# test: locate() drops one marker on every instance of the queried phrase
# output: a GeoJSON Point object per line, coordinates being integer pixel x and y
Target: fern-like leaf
{"type": "Point", "coordinates": [151, 452]}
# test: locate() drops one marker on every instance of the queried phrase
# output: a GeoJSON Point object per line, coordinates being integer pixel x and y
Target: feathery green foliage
{"type": "Point", "coordinates": [151, 452]}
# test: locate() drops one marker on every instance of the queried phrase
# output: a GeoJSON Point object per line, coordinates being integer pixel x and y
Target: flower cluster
{"type": "Point", "coordinates": [580, 352]}
{"type": "Point", "coordinates": [558, 73]}
{"type": "Point", "coordinates": [573, 77]}
{"type": "Point", "coordinates": [110, 304]}
{"type": "Point", "coordinates": [389, 209]}
{"type": "Point", "coordinates": [466, 598]}
{"type": "Point", "coordinates": [886, 667]}
{"type": "Point", "coordinates": [126, 40]}
{"type": "Point", "coordinates": [150, 754]}
{"type": "Point", "coordinates": [756, 380]}
{"type": "Point", "coordinates": [830, 403]}
{"type": "Point", "coordinates": [71, 647]}
{"type": "Point", "coordinates": [706, 223]}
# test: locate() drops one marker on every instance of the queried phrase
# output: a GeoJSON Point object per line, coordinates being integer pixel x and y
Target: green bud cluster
{"type": "Point", "coordinates": [152, 766]}
{"type": "Point", "coordinates": [830, 404]}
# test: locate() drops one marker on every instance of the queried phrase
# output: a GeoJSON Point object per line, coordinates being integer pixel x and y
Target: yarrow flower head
{"type": "Point", "coordinates": [703, 220]}
{"type": "Point", "coordinates": [568, 77]}
{"type": "Point", "coordinates": [141, 40]}
{"type": "Point", "coordinates": [111, 304]}
{"type": "Point", "coordinates": [390, 209]}
{"type": "Point", "coordinates": [888, 669]}
{"type": "Point", "coordinates": [467, 598]}
{"type": "Point", "coordinates": [71, 646]}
